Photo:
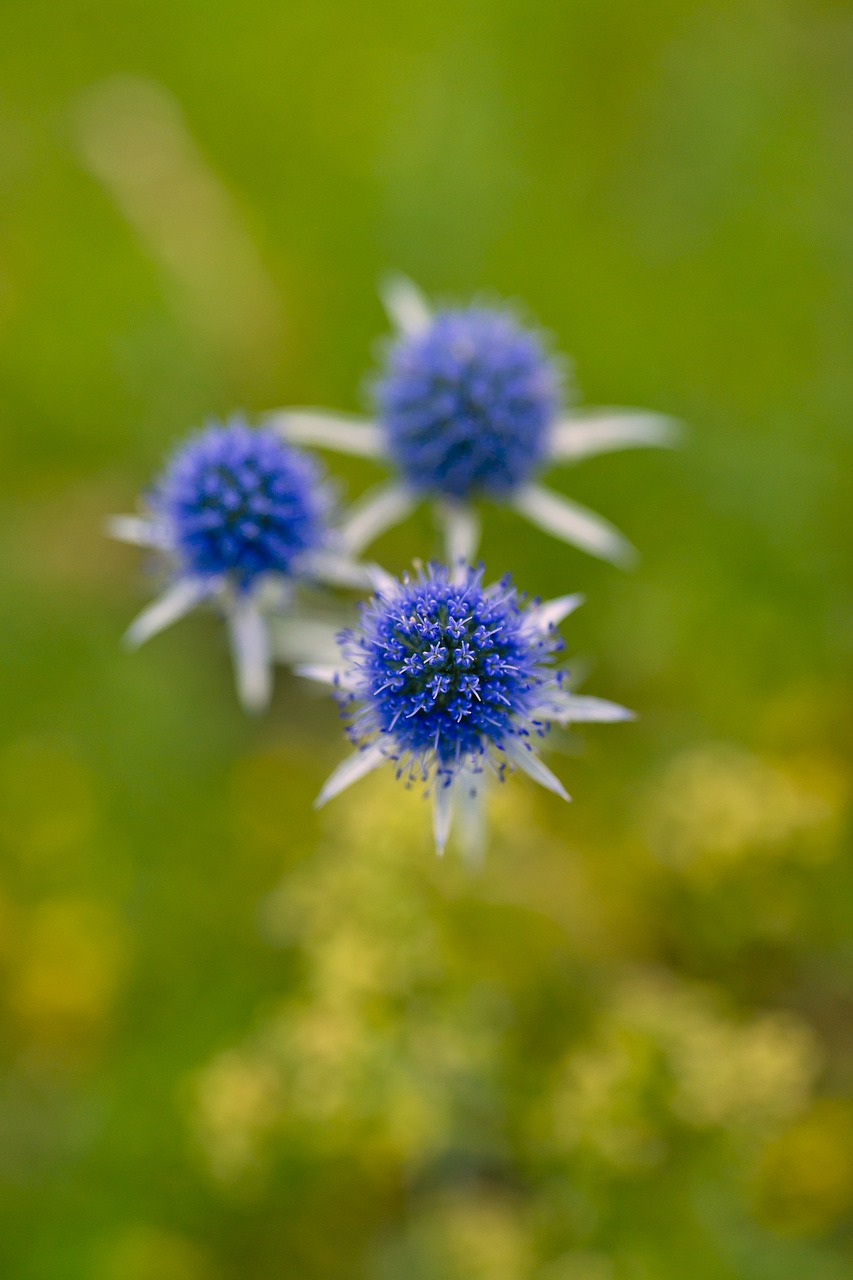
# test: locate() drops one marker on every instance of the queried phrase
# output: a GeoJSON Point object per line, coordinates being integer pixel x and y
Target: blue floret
{"type": "Point", "coordinates": [467, 405]}
{"type": "Point", "coordinates": [240, 502]}
{"type": "Point", "coordinates": [446, 668]}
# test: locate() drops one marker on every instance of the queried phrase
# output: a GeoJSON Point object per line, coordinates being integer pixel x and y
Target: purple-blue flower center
{"type": "Point", "coordinates": [467, 405]}
{"type": "Point", "coordinates": [240, 502]}
{"type": "Point", "coordinates": [445, 667]}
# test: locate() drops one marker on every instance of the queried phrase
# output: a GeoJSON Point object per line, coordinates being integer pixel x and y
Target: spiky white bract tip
{"type": "Point", "coordinates": [462, 529]}
{"type": "Point", "coordinates": [174, 603]}
{"type": "Point", "coordinates": [452, 680]}
{"type": "Point", "coordinates": [406, 306]}
{"type": "Point", "coordinates": [324, 673]}
{"type": "Point", "coordinates": [250, 649]}
{"type": "Point", "coordinates": [574, 524]}
{"type": "Point", "coordinates": [356, 766]}
{"type": "Point", "coordinates": [323, 429]}
{"type": "Point", "coordinates": [138, 531]}
{"type": "Point", "coordinates": [523, 755]}
{"type": "Point", "coordinates": [373, 514]}
{"type": "Point", "coordinates": [470, 817]}
{"type": "Point", "coordinates": [546, 616]}
{"type": "Point", "coordinates": [567, 708]}
{"type": "Point", "coordinates": [296, 637]}
{"type": "Point", "coordinates": [338, 569]}
{"type": "Point", "coordinates": [589, 432]}
{"type": "Point", "coordinates": [443, 805]}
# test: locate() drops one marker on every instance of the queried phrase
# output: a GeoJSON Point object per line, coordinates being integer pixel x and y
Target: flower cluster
{"type": "Point", "coordinates": [451, 680]}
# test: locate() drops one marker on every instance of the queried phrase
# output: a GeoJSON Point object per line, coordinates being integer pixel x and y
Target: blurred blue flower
{"type": "Point", "coordinates": [453, 681]}
{"type": "Point", "coordinates": [241, 502]}
{"type": "Point", "coordinates": [469, 405]}
{"type": "Point", "coordinates": [466, 405]}
{"type": "Point", "coordinates": [238, 517]}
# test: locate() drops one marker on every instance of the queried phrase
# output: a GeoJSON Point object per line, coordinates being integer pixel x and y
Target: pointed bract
{"type": "Point", "coordinates": [592, 432]}
{"type": "Point", "coordinates": [173, 604]}
{"type": "Point", "coordinates": [442, 813]}
{"type": "Point", "coordinates": [356, 766]}
{"type": "Point", "coordinates": [469, 404]}
{"type": "Point", "coordinates": [574, 524]}
{"type": "Point", "coordinates": [453, 681]}
{"type": "Point", "coordinates": [320, 430]}
{"type": "Point", "coordinates": [368, 518]}
{"type": "Point", "coordinates": [527, 760]}
{"type": "Point", "coordinates": [250, 649]}
{"type": "Point", "coordinates": [407, 307]}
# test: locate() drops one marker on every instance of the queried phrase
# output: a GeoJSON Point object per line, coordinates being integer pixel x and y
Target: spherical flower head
{"type": "Point", "coordinates": [467, 404]}
{"type": "Point", "coordinates": [443, 671]}
{"type": "Point", "coordinates": [239, 503]}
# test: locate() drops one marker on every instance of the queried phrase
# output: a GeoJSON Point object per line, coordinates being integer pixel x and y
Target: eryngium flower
{"type": "Point", "coordinates": [239, 517]}
{"type": "Point", "coordinates": [241, 503]}
{"type": "Point", "coordinates": [466, 405]}
{"type": "Point", "coordinates": [470, 405]}
{"type": "Point", "coordinates": [453, 681]}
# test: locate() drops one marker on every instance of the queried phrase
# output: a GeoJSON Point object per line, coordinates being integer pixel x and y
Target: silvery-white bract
{"type": "Point", "coordinates": [454, 683]}
{"type": "Point", "coordinates": [237, 519]}
{"type": "Point", "coordinates": [469, 405]}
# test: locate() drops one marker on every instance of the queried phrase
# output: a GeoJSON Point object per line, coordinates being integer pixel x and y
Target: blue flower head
{"type": "Point", "coordinates": [470, 405]}
{"type": "Point", "coordinates": [239, 503]}
{"type": "Point", "coordinates": [447, 669]}
{"type": "Point", "coordinates": [467, 403]}
{"type": "Point", "coordinates": [453, 681]}
{"type": "Point", "coordinates": [239, 518]}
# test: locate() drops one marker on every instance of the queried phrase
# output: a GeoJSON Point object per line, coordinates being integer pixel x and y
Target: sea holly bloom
{"type": "Point", "coordinates": [238, 518]}
{"type": "Point", "coordinates": [454, 682]}
{"type": "Point", "coordinates": [469, 405]}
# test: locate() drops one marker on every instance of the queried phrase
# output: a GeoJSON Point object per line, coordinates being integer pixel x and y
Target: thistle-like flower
{"type": "Point", "coordinates": [238, 518]}
{"type": "Point", "coordinates": [469, 406]}
{"type": "Point", "coordinates": [454, 682]}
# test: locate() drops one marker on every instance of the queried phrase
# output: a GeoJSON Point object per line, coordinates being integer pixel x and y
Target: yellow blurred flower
{"type": "Point", "coordinates": [718, 805]}
{"type": "Point", "coordinates": [237, 1102]}
{"type": "Point", "coordinates": [467, 1234]}
{"type": "Point", "coordinates": [664, 1048]}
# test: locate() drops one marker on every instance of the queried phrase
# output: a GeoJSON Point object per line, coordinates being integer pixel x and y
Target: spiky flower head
{"type": "Point", "coordinates": [453, 680]}
{"type": "Point", "coordinates": [238, 519]}
{"type": "Point", "coordinates": [446, 671]}
{"type": "Point", "coordinates": [467, 403]}
{"type": "Point", "coordinates": [238, 502]}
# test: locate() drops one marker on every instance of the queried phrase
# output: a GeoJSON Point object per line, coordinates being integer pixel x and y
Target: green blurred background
{"type": "Point", "coordinates": [243, 1040]}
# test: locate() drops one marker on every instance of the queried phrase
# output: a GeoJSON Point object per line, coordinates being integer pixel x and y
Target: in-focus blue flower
{"type": "Point", "coordinates": [238, 517]}
{"type": "Point", "coordinates": [469, 405]}
{"type": "Point", "coordinates": [454, 682]}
